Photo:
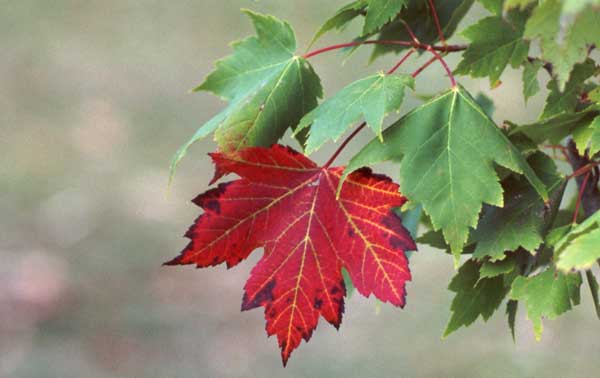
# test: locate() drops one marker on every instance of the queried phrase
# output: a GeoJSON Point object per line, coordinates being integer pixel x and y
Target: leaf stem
{"type": "Point", "coordinates": [423, 67]}
{"type": "Point", "coordinates": [445, 65]}
{"type": "Point", "coordinates": [436, 19]}
{"type": "Point", "coordinates": [343, 145]}
{"type": "Point", "coordinates": [404, 58]}
{"type": "Point", "coordinates": [578, 203]}
{"type": "Point", "coordinates": [431, 50]}
{"type": "Point", "coordinates": [420, 46]}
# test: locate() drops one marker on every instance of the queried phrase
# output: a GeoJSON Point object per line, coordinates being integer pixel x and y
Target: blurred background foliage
{"type": "Point", "coordinates": [93, 103]}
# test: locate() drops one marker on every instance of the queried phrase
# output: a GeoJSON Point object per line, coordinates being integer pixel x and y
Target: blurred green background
{"type": "Point", "coordinates": [93, 102]}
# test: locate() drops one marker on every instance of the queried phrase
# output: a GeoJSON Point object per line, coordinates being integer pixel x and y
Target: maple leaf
{"type": "Point", "coordinates": [447, 148]}
{"type": "Point", "coordinates": [546, 295]}
{"type": "Point", "coordinates": [287, 204]}
{"type": "Point", "coordinates": [496, 42]}
{"type": "Point", "coordinates": [269, 89]}
{"type": "Point", "coordinates": [372, 97]}
{"type": "Point", "coordinates": [381, 12]}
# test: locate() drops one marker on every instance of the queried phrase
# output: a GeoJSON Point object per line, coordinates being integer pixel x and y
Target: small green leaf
{"type": "Point", "coordinates": [511, 311]}
{"type": "Point", "coordinates": [268, 87]}
{"type": "Point", "coordinates": [475, 297]}
{"type": "Point", "coordinates": [372, 98]}
{"type": "Point", "coordinates": [495, 43]}
{"type": "Point", "coordinates": [447, 148]}
{"type": "Point", "coordinates": [546, 295]}
{"type": "Point", "coordinates": [380, 12]}
{"type": "Point", "coordinates": [566, 101]}
{"type": "Point", "coordinates": [563, 48]}
{"type": "Point", "coordinates": [341, 18]}
{"type": "Point", "coordinates": [544, 20]}
{"type": "Point", "coordinates": [588, 136]}
{"type": "Point", "coordinates": [531, 85]}
{"type": "Point", "coordinates": [580, 253]}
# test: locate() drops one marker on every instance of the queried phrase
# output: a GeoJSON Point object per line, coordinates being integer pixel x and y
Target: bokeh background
{"type": "Point", "coordinates": [93, 102]}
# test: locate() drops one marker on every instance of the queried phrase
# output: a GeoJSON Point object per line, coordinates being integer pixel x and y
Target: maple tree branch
{"type": "Point", "coordinates": [590, 195]}
{"type": "Point", "coordinates": [419, 46]}
{"type": "Point", "coordinates": [431, 50]}
{"type": "Point", "coordinates": [436, 19]}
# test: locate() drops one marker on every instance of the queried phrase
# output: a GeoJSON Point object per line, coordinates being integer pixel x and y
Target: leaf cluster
{"type": "Point", "coordinates": [516, 206]}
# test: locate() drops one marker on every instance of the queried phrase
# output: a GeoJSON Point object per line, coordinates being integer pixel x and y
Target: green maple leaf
{"type": "Point", "coordinates": [581, 253]}
{"type": "Point", "coordinates": [495, 43]}
{"type": "Point", "coordinates": [588, 136]}
{"type": "Point", "coordinates": [269, 89]}
{"type": "Point", "coordinates": [475, 296]}
{"type": "Point", "coordinates": [380, 12]}
{"type": "Point", "coordinates": [447, 148]}
{"type": "Point", "coordinates": [372, 98]}
{"type": "Point", "coordinates": [531, 85]}
{"type": "Point", "coordinates": [579, 249]}
{"type": "Point", "coordinates": [563, 51]}
{"type": "Point", "coordinates": [566, 100]}
{"type": "Point", "coordinates": [523, 219]}
{"type": "Point", "coordinates": [341, 18]}
{"type": "Point", "coordinates": [546, 295]}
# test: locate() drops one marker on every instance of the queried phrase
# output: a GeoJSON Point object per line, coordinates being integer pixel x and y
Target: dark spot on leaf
{"type": "Point", "coordinates": [350, 232]}
{"type": "Point", "coordinates": [213, 205]}
{"type": "Point", "coordinates": [264, 295]}
{"type": "Point", "coordinates": [334, 290]}
{"type": "Point", "coordinates": [318, 303]}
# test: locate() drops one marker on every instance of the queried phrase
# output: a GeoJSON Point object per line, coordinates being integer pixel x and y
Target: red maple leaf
{"type": "Point", "coordinates": [287, 204]}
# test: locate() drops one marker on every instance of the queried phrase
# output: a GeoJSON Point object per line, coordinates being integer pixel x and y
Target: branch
{"type": "Point", "coordinates": [416, 45]}
{"type": "Point", "coordinates": [590, 195]}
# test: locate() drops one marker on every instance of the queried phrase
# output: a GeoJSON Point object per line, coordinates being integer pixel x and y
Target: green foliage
{"type": "Point", "coordinates": [546, 295]}
{"type": "Point", "coordinates": [489, 194]}
{"type": "Point", "coordinates": [380, 12]}
{"type": "Point", "coordinates": [269, 89]}
{"type": "Point", "coordinates": [447, 148]}
{"type": "Point", "coordinates": [523, 219]}
{"type": "Point", "coordinates": [531, 85]}
{"type": "Point", "coordinates": [475, 296]}
{"type": "Point", "coordinates": [373, 98]}
{"type": "Point", "coordinates": [496, 42]}
{"type": "Point", "coordinates": [580, 248]}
